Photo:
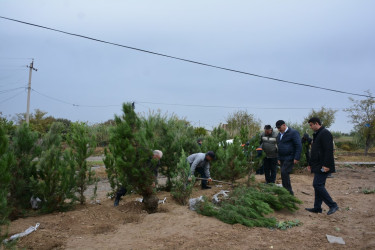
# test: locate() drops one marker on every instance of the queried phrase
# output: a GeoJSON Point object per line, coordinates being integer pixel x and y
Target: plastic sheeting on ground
{"type": "Point", "coordinates": [24, 233]}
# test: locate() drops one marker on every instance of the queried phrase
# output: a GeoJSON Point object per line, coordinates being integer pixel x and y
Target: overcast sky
{"type": "Point", "coordinates": [325, 43]}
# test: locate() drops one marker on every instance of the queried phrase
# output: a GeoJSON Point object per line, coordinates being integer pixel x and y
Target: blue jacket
{"type": "Point", "coordinates": [289, 147]}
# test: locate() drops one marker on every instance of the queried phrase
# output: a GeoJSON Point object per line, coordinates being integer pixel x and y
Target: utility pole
{"type": "Point", "coordinates": [31, 67]}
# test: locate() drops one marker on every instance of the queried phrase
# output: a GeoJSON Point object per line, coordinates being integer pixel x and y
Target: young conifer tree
{"type": "Point", "coordinates": [82, 144]}
{"type": "Point", "coordinates": [25, 150]}
{"type": "Point", "coordinates": [130, 157]}
{"type": "Point", "coordinates": [171, 135]}
{"type": "Point", "coordinates": [181, 187]}
{"type": "Point", "coordinates": [55, 180]}
{"type": "Point", "coordinates": [6, 160]}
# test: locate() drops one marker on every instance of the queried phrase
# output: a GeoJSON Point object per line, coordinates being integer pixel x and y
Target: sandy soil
{"type": "Point", "coordinates": [103, 226]}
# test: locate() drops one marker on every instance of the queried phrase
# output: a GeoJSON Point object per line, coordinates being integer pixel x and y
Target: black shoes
{"type": "Point", "coordinates": [332, 210]}
{"type": "Point", "coordinates": [314, 210]}
{"type": "Point", "coordinates": [206, 187]}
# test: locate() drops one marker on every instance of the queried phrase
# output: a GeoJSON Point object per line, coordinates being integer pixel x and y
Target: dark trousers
{"type": "Point", "coordinates": [286, 169]}
{"type": "Point", "coordinates": [270, 169]}
{"type": "Point", "coordinates": [121, 192]}
{"type": "Point", "coordinates": [200, 170]}
{"type": "Point", "coordinates": [321, 193]}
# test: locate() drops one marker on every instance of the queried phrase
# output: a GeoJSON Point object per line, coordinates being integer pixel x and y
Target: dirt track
{"type": "Point", "coordinates": [176, 227]}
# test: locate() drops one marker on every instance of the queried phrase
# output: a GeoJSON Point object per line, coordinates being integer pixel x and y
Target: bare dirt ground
{"type": "Point", "coordinates": [103, 226]}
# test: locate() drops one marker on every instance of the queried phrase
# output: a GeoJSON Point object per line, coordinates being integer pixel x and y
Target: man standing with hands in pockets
{"type": "Point", "coordinates": [321, 164]}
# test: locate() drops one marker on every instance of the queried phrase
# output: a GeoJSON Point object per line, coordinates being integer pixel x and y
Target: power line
{"type": "Point", "coordinates": [168, 104]}
{"type": "Point", "coordinates": [188, 60]}
{"type": "Point", "coordinates": [11, 97]}
{"type": "Point", "coordinates": [10, 90]}
{"type": "Point", "coordinates": [74, 104]}
{"type": "Point", "coordinates": [15, 58]}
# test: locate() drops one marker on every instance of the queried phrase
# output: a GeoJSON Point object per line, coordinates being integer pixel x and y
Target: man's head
{"type": "Point", "coordinates": [315, 123]}
{"type": "Point", "coordinates": [268, 129]}
{"type": "Point", "coordinates": [210, 156]}
{"type": "Point", "coordinates": [157, 154]}
{"type": "Point", "coordinates": [199, 141]}
{"type": "Point", "coordinates": [281, 126]}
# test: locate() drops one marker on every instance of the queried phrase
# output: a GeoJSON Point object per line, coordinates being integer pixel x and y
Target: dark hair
{"type": "Point", "coordinates": [315, 120]}
{"type": "Point", "coordinates": [267, 127]}
{"type": "Point", "coordinates": [211, 154]}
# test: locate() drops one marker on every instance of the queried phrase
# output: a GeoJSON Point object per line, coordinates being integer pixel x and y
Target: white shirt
{"type": "Point", "coordinates": [282, 134]}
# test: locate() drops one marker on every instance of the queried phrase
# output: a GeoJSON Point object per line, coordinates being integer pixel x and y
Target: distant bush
{"type": "Point", "coordinates": [336, 134]}
{"type": "Point", "coordinates": [347, 146]}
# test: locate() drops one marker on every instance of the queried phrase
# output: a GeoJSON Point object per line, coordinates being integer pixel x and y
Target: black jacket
{"type": "Point", "coordinates": [322, 151]}
{"type": "Point", "coordinates": [289, 147]}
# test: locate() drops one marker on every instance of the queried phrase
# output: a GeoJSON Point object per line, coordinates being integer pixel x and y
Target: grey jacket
{"type": "Point", "coordinates": [269, 144]}
{"type": "Point", "coordinates": [199, 160]}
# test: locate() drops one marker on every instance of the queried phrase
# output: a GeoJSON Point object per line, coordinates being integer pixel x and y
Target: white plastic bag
{"type": "Point", "coordinates": [215, 198]}
{"type": "Point", "coordinates": [24, 233]}
{"type": "Point", "coordinates": [194, 202]}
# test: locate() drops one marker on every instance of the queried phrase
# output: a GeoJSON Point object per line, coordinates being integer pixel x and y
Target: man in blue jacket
{"type": "Point", "coordinates": [321, 164]}
{"type": "Point", "coordinates": [289, 152]}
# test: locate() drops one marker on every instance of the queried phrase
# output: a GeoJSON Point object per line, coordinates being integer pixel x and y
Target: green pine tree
{"type": "Point", "coordinates": [55, 182]}
{"type": "Point", "coordinates": [171, 135]}
{"type": "Point", "coordinates": [254, 160]}
{"type": "Point", "coordinates": [6, 160]}
{"type": "Point", "coordinates": [181, 187]}
{"type": "Point", "coordinates": [82, 145]}
{"type": "Point", "coordinates": [130, 157]}
{"type": "Point", "coordinates": [25, 150]}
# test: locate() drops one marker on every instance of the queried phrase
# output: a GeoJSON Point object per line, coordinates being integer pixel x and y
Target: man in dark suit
{"type": "Point", "coordinates": [321, 164]}
{"type": "Point", "coordinates": [289, 152]}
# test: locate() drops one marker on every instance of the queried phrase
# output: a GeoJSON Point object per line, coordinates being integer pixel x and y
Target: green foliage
{"type": "Point", "coordinates": [38, 121]}
{"type": "Point", "coordinates": [254, 160]}
{"type": "Point", "coordinates": [284, 225]}
{"type": "Point", "coordinates": [7, 125]}
{"type": "Point", "coordinates": [6, 160]}
{"type": "Point", "coordinates": [130, 157]}
{"type": "Point", "coordinates": [54, 182]}
{"type": "Point", "coordinates": [337, 134]}
{"type": "Point", "coordinates": [347, 145]}
{"type": "Point", "coordinates": [181, 188]}
{"type": "Point", "coordinates": [25, 150]}
{"type": "Point", "coordinates": [217, 139]}
{"type": "Point", "coordinates": [171, 135]}
{"type": "Point", "coordinates": [250, 205]}
{"type": "Point", "coordinates": [242, 119]}
{"type": "Point", "coordinates": [362, 114]}
{"type": "Point", "coordinates": [200, 131]}
{"type": "Point", "coordinates": [326, 116]}
{"type": "Point", "coordinates": [368, 191]}
{"type": "Point", "coordinates": [102, 133]}
{"type": "Point", "coordinates": [66, 127]}
{"type": "Point", "coordinates": [113, 172]}
{"type": "Point", "coordinates": [230, 163]}
{"type": "Point", "coordinates": [82, 145]}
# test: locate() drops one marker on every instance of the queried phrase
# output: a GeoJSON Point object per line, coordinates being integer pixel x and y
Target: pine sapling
{"type": "Point", "coordinates": [181, 187]}
{"type": "Point", "coordinates": [82, 143]}
{"type": "Point", "coordinates": [54, 182]}
{"type": "Point", "coordinates": [25, 149]}
{"type": "Point", "coordinates": [6, 160]}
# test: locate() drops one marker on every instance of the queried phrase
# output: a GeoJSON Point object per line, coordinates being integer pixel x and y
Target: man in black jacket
{"type": "Point", "coordinates": [289, 152]}
{"type": "Point", "coordinates": [321, 164]}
